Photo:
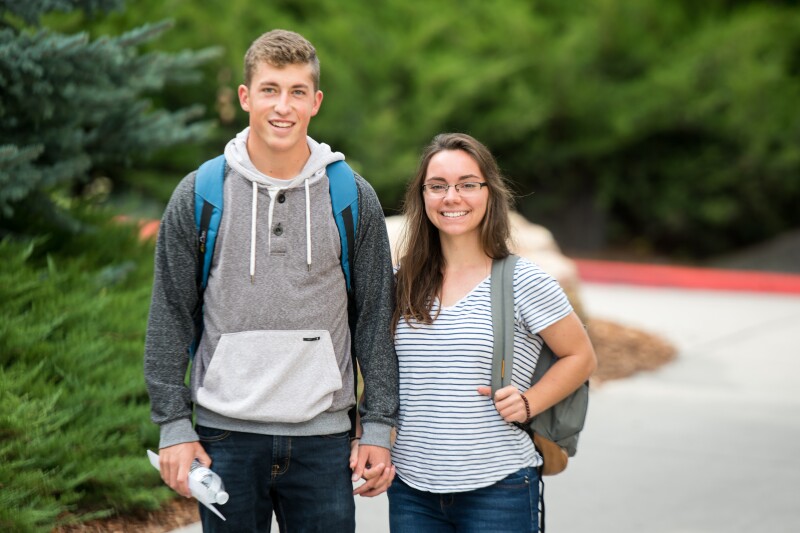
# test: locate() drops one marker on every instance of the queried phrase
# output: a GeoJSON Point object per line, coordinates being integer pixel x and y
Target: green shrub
{"type": "Point", "coordinates": [75, 419]}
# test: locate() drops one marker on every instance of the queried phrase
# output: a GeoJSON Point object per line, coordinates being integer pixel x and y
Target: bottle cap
{"type": "Point", "coordinates": [222, 497]}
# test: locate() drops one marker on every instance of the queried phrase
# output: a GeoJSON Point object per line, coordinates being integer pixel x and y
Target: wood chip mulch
{"type": "Point", "coordinates": [621, 352]}
{"type": "Point", "coordinates": [174, 514]}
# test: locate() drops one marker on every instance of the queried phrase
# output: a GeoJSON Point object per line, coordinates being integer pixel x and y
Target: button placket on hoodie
{"type": "Point", "coordinates": [279, 222]}
{"type": "Point", "coordinates": [285, 223]}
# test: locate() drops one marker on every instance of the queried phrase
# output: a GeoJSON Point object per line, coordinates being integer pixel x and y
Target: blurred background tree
{"type": "Point", "coordinates": [667, 127]}
{"type": "Point", "coordinates": [75, 110]}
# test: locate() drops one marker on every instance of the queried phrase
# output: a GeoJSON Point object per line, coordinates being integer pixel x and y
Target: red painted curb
{"type": "Point", "coordinates": [686, 277]}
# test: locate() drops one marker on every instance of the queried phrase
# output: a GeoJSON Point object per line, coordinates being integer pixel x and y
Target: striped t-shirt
{"type": "Point", "coordinates": [450, 438]}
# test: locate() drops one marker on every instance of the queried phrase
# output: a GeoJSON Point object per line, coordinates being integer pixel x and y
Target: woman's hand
{"type": "Point", "coordinates": [508, 402]}
{"type": "Point", "coordinates": [354, 453]}
{"type": "Point", "coordinates": [576, 362]}
{"type": "Point", "coordinates": [375, 467]}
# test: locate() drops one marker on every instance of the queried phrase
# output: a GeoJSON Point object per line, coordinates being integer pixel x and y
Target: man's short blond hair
{"type": "Point", "coordinates": [280, 48]}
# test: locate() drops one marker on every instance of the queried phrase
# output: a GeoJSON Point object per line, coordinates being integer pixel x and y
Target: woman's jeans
{"type": "Point", "coordinates": [304, 480]}
{"type": "Point", "coordinates": [509, 506]}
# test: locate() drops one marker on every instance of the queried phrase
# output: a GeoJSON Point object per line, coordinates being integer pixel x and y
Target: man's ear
{"type": "Point", "coordinates": [244, 98]}
{"type": "Point", "coordinates": [317, 103]}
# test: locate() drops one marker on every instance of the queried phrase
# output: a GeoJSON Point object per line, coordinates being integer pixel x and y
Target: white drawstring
{"type": "Point", "coordinates": [253, 233]}
{"type": "Point", "coordinates": [273, 191]}
{"type": "Point", "coordinates": [308, 228]}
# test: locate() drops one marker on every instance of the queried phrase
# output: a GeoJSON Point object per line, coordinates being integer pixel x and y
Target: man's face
{"type": "Point", "coordinates": [281, 102]}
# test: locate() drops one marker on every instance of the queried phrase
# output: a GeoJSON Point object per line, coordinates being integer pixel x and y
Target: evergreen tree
{"type": "Point", "coordinates": [72, 107]}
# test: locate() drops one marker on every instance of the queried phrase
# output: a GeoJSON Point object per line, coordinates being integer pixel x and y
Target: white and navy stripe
{"type": "Point", "coordinates": [450, 438]}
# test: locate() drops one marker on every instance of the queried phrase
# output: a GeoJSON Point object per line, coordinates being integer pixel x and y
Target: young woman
{"type": "Point", "coordinates": [462, 465]}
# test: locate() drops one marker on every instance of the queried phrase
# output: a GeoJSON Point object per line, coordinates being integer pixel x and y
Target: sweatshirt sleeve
{"type": "Point", "coordinates": [170, 325]}
{"type": "Point", "coordinates": [373, 287]}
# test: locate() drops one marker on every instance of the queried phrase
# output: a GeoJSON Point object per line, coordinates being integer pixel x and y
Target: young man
{"type": "Point", "coordinates": [272, 379]}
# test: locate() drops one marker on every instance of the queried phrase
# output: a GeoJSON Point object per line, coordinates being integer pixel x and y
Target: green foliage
{"type": "Point", "coordinates": [31, 11]}
{"type": "Point", "coordinates": [72, 108]}
{"type": "Point", "coordinates": [671, 123]}
{"type": "Point", "coordinates": [74, 423]}
{"type": "Point", "coordinates": [693, 146]}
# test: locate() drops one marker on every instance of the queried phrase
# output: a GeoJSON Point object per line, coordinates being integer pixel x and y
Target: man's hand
{"type": "Point", "coordinates": [175, 461]}
{"type": "Point", "coordinates": [508, 402]}
{"type": "Point", "coordinates": [375, 465]}
{"type": "Point", "coordinates": [353, 453]}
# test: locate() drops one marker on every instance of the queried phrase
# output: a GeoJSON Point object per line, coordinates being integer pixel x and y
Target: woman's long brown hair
{"type": "Point", "coordinates": [420, 277]}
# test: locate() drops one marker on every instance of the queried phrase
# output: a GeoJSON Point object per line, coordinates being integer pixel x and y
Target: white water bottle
{"type": "Point", "coordinates": [205, 485]}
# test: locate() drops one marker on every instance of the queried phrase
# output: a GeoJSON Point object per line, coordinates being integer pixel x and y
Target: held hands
{"type": "Point", "coordinates": [374, 464]}
{"type": "Point", "coordinates": [508, 402]}
{"type": "Point", "coordinates": [175, 461]}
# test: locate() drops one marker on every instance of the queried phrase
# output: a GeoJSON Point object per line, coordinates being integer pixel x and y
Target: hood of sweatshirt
{"type": "Point", "coordinates": [238, 158]}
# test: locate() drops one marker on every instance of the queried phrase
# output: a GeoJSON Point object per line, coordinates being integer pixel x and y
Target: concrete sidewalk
{"type": "Point", "coordinates": [706, 444]}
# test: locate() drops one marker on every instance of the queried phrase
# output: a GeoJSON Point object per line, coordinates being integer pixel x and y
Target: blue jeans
{"type": "Point", "coordinates": [304, 480]}
{"type": "Point", "coordinates": [509, 506]}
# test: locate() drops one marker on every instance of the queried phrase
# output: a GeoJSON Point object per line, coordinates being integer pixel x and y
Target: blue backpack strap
{"type": "Point", "coordinates": [208, 212]}
{"type": "Point", "coordinates": [344, 200]}
{"type": "Point", "coordinates": [207, 216]}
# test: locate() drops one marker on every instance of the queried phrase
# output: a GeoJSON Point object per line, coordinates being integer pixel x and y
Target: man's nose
{"type": "Point", "coordinates": [282, 106]}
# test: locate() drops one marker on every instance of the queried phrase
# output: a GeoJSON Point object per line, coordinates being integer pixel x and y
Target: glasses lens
{"type": "Point", "coordinates": [436, 190]}
{"type": "Point", "coordinates": [469, 188]}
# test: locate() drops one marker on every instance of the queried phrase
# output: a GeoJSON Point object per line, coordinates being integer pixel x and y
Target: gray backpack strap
{"type": "Point", "coordinates": [555, 431]}
{"type": "Point", "coordinates": [502, 298]}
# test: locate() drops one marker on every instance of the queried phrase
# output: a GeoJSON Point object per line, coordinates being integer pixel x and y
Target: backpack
{"type": "Point", "coordinates": [554, 431]}
{"type": "Point", "coordinates": [208, 204]}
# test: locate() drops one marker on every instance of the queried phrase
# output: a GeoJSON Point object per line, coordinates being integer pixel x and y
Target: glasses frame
{"type": "Point", "coordinates": [457, 187]}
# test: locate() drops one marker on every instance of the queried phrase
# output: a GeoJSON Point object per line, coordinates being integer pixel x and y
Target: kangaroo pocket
{"type": "Point", "coordinates": [271, 376]}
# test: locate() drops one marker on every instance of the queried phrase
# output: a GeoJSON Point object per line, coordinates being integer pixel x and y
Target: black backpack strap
{"type": "Point", "coordinates": [349, 230]}
{"type": "Point", "coordinates": [350, 235]}
{"type": "Point", "coordinates": [202, 234]}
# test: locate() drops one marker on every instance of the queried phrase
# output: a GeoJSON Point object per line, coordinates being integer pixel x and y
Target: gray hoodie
{"type": "Point", "coordinates": [275, 354]}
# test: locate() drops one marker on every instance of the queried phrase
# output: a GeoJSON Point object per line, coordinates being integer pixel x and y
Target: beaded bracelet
{"type": "Point", "coordinates": [527, 407]}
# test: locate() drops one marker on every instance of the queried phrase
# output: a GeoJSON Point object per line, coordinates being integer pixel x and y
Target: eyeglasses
{"type": "Point", "coordinates": [439, 190]}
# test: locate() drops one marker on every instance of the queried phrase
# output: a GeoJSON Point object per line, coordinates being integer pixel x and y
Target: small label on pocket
{"type": "Point", "coordinates": [310, 338]}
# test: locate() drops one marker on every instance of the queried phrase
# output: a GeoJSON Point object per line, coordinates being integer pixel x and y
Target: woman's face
{"type": "Point", "coordinates": [455, 213]}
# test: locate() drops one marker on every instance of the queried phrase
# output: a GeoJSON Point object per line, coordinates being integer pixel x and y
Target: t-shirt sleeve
{"type": "Point", "coordinates": [538, 298]}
